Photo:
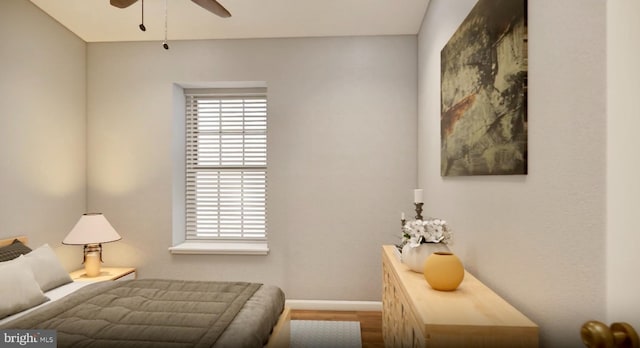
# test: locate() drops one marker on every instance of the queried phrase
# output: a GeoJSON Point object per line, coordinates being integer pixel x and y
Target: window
{"type": "Point", "coordinates": [226, 165]}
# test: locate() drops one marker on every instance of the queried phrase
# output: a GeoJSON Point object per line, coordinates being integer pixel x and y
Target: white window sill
{"type": "Point", "coordinates": [221, 248]}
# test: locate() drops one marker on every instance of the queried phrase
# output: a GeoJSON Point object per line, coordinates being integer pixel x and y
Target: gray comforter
{"type": "Point", "coordinates": [161, 313]}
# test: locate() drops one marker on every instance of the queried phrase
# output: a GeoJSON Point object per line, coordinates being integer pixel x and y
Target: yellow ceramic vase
{"type": "Point", "coordinates": [443, 271]}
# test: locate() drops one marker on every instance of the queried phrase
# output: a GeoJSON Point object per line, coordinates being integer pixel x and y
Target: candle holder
{"type": "Point", "coordinates": [418, 210]}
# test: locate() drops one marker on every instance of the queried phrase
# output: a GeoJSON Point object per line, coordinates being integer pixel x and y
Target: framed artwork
{"type": "Point", "coordinates": [483, 104]}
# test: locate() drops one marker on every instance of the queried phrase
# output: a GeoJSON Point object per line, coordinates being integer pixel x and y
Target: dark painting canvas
{"type": "Point", "coordinates": [484, 92]}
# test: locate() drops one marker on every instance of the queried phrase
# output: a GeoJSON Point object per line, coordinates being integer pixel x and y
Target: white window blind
{"type": "Point", "coordinates": [226, 164]}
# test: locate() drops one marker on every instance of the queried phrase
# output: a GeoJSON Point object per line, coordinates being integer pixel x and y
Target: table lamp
{"type": "Point", "coordinates": [92, 230]}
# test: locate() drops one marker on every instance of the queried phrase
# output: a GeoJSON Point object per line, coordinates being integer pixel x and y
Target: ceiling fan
{"type": "Point", "coordinates": [212, 6]}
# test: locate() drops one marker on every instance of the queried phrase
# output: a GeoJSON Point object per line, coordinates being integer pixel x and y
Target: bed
{"type": "Point", "coordinates": [141, 312]}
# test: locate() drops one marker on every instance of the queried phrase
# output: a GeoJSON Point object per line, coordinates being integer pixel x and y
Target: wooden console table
{"type": "Point", "coordinates": [415, 315]}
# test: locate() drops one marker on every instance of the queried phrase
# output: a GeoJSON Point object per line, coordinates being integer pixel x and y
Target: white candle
{"type": "Point", "coordinates": [417, 196]}
{"type": "Point", "coordinates": [402, 216]}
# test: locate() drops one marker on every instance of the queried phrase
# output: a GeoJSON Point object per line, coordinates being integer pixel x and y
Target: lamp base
{"type": "Point", "coordinates": [92, 260]}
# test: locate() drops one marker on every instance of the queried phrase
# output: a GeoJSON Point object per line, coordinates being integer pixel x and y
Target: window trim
{"type": "Point", "coordinates": [221, 248]}
{"type": "Point", "coordinates": [181, 245]}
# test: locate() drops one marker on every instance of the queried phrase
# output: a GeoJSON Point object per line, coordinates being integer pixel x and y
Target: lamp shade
{"type": "Point", "coordinates": [92, 228]}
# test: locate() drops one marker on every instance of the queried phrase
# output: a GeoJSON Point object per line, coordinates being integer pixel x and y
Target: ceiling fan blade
{"type": "Point", "coordinates": [122, 3]}
{"type": "Point", "coordinates": [213, 6]}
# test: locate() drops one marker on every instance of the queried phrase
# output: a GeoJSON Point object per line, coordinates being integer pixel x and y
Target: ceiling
{"type": "Point", "coordinates": [97, 21]}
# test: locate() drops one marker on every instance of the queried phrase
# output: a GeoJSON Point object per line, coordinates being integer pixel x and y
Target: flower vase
{"type": "Point", "coordinates": [443, 271]}
{"type": "Point", "coordinates": [414, 258]}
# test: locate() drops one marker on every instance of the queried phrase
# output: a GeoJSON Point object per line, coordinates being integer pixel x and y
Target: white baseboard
{"type": "Point", "coordinates": [328, 305]}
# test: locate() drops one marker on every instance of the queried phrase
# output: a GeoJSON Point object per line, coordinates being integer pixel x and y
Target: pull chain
{"type": "Point", "coordinates": [164, 43]}
{"type": "Point", "coordinates": [142, 27]}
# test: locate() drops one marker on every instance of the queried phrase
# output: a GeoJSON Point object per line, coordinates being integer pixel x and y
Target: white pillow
{"type": "Point", "coordinates": [18, 287]}
{"type": "Point", "coordinates": [46, 268]}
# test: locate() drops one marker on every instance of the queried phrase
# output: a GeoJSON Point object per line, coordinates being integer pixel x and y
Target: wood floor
{"type": "Point", "coordinates": [370, 323]}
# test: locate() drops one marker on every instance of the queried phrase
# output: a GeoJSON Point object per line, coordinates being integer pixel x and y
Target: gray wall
{"type": "Point", "coordinates": [342, 155]}
{"type": "Point", "coordinates": [42, 128]}
{"type": "Point", "coordinates": [538, 240]}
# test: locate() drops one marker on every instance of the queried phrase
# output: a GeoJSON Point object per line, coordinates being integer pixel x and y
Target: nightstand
{"type": "Point", "coordinates": [106, 273]}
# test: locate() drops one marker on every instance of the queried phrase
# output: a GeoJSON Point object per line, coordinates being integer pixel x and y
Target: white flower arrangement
{"type": "Point", "coordinates": [416, 232]}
